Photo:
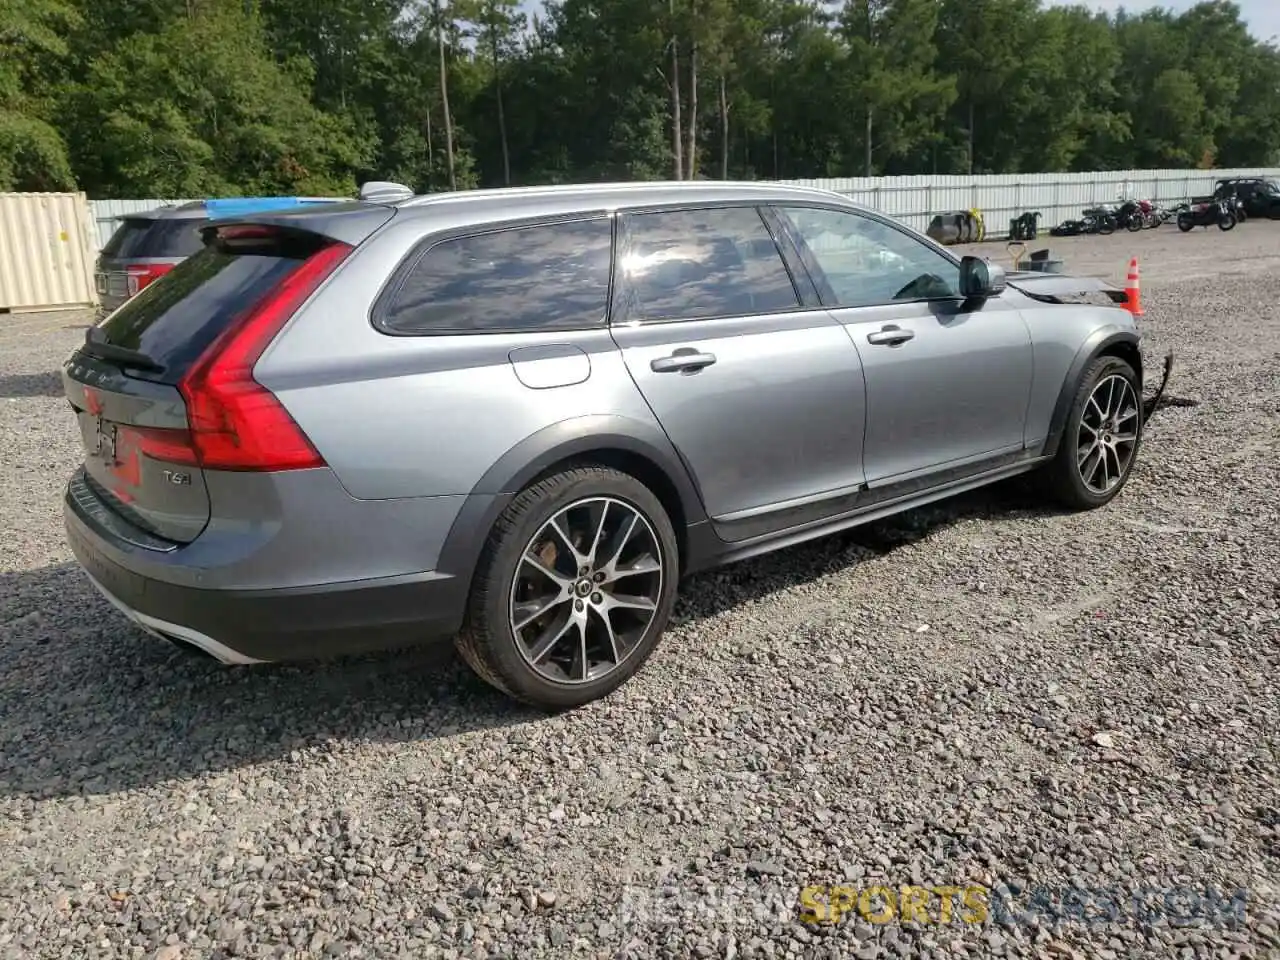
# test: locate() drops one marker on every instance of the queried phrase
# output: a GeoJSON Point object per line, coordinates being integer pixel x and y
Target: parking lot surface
{"type": "Point", "coordinates": [978, 693]}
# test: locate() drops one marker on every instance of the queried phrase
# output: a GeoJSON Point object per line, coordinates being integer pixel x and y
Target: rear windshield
{"type": "Point", "coordinates": [175, 318]}
{"type": "Point", "coordinates": [138, 238]}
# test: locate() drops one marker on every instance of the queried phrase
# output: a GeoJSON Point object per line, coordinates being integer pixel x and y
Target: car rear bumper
{"type": "Point", "coordinates": [108, 304]}
{"type": "Point", "coordinates": [274, 625]}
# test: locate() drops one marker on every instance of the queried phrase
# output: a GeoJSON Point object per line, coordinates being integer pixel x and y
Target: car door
{"type": "Point", "coordinates": [755, 383]}
{"type": "Point", "coordinates": [948, 382]}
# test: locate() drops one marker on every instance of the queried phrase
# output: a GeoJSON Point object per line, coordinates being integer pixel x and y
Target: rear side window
{"type": "Point", "coordinates": [552, 276]}
{"type": "Point", "coordinates": [127, 238]}
{"type": "Point", "coordinates": [690, 264]}
{"type": "Point", "coordinates": [177, 317]}
{"type": "Point", "coordinates": [172, 238]}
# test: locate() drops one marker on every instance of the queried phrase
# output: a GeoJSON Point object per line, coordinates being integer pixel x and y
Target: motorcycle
{"type": "Point", "coordinates": [1229, 195]}
{"type": "Point", "coordinates": [1204, 214]}
{"type": "Point", "coordinates": [1100, 219]}
{"type": "Point", "coordinates": [1132, 216]}
{"type": "Point", "coordinates": [1150, 214]}
{"type": "Point", "coordinates": [1235, 204]}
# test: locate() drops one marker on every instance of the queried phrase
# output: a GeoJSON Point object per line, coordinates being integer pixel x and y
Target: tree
{"type": "Point", "coordinates": [201, 108]}
{"type": "Point", "coordinates": [983, 41]}
{"type": "Point", "coordinates": [439, 15]}
{"type": "Point", "coordinates": [146, 97]}
{"type": "Point", "coordinates": [499, 21]}
{"type": "Point", "coordinates": [890, 75]}
{"type": "Point", "coordinates": [33, 155]}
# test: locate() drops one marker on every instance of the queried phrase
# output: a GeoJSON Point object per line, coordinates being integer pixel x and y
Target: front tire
{"type": "Point", "coordinates": [1226, 221]}
{"type": "Point", "coordinates": [1103, 434]}
{"type": "Point", "coordinates": [573, 590]}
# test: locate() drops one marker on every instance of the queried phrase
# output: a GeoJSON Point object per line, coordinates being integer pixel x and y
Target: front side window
{"type": "Point", "coordinates": [552, 276]}
{"type": "Point", "coordinates": [868, 262]}
{"type": "Point", "coordinates": [699, 264]}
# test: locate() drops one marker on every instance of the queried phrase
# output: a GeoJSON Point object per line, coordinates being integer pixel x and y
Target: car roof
{"type": "Point", "coordinates": [513, 202]}
{"type": "Point", "coordinates": [353, 220]}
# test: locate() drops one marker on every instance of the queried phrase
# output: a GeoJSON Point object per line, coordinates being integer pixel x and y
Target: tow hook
{"type": "Point", "coordinates": [1149, 406]}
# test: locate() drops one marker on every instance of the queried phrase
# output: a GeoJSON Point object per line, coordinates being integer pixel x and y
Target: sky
{"type": "Point", "coordinates": [1262, 16]}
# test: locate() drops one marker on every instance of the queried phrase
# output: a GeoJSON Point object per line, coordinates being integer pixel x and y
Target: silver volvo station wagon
{"type": "Point", "coordinates": [518, 418]}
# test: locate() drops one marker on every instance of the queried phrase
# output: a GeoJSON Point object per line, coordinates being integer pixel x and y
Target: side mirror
{"type": "Point", "coordinates": [980, 279]}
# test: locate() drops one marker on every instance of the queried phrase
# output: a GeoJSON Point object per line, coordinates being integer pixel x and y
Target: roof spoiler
{"type": "Point", "coordinates": [350, 222]}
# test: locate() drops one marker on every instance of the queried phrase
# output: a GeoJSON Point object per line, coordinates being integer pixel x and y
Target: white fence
{"type": "Point", "coordinates": [1057, 196]}
{"type": "Point", "coordinates": [915, 200]}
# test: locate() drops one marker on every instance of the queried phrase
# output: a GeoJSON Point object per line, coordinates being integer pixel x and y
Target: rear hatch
{"type": "Point", "coordinates": [163, 388]}
{"type": "Point", "coordinates": [142, 249]}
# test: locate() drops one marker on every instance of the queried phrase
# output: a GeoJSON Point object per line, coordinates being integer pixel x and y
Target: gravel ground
{"type": "Point", "coordinates": [981, 692]}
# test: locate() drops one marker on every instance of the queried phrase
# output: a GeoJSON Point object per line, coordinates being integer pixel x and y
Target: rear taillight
{"type": "Point", "coordinates": [140, 275]}
{"type": "Point", "coordinates": [235, 422]}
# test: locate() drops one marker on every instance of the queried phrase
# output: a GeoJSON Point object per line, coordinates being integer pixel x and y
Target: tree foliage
{"type": "Point", "coordinates": [200, 97]}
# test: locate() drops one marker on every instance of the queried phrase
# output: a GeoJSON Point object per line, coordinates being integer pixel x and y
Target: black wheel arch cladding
{"type": "Point", "coordinates": [1111, 341]}
{"type": "Point", "coordinates": [608, 440]}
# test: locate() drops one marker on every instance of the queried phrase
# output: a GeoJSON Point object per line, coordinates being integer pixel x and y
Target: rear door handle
{"type": "Point", "coordinates": [684, 360]}
{"type": "Point", "coordinates": [890, 336]}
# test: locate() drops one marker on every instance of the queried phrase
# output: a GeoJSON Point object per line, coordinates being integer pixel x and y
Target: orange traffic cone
{"type": "Point", "coordinates": [1133, 290]}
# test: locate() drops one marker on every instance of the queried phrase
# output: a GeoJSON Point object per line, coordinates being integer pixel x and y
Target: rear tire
{"type": "Point", "coordinates": [1185, 223]}
{"type": "Point", "coordinates": [1101, 439]}
{"type": "Point", "coordinates": [1106, 225]}
{"type": "Point", "coordinates": [542, 630]}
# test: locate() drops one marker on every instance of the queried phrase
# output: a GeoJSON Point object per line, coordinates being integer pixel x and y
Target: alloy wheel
{"type": "Point", "coordinates": [1108, 434]}
{"type": "Point", "coordinates": [586, 590]}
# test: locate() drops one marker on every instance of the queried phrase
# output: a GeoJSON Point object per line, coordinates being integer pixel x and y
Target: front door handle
{"type": "Point", "coordinates": [684, 360]}
{"type": "Point", "coordinates": [890, 336]}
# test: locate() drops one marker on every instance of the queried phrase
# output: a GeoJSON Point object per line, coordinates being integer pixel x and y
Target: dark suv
{"type": "Point", "coordinates": [1260, 195]}
{"type": "Point", "coordinates": [150, 244]}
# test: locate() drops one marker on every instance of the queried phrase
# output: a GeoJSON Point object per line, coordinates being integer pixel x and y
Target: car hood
{"type": "Point", "coordinates": [1063, 288]}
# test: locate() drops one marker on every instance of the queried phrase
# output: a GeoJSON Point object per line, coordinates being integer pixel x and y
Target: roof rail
{"type": "Point", "coordinates": [598, 188]}
{"type": "Point", "coordinates": [384, 191]}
